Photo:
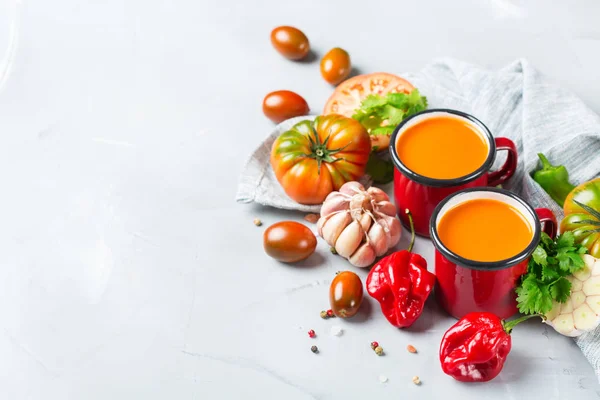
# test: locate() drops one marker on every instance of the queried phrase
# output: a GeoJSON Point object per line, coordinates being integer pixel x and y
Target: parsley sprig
{"type": "Point", "coordinates": [546, 278]}
{"type": "Point", "coordinates": [381, 114]}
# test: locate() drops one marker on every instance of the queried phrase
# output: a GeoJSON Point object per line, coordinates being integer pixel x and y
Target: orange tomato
{"type": "Point", "coordinates": [335, 65]}
{"type": "Point", "coordinates": [289, 241]}
{"type": "Point", "coordinates": [314, 158]}
{"type": "Point", "coordinates": [283, 104]}
{"type": "Point", "coordinates": [290, 42]}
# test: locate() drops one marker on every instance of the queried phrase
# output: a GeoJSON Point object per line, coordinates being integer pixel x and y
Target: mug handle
{"type": "Point", "coordinates": [496, 178]}
{"type": "Point", "coordinates": [548, 220]}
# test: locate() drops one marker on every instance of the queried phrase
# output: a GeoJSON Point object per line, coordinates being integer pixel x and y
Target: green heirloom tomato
{"type": "Point", "coordinates": [582, 215]}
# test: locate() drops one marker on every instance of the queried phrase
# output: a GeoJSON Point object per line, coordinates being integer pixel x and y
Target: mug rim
{"type": "Point", "coordinates": [424, 180]}
{"type": "Point", "coordinates": [485, 265]}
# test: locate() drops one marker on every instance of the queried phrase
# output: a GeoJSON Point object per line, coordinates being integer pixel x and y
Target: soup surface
{"type": "Point", "coordinates": [485, 230]}
{"type": "Point", "coordinates": [442, 147]}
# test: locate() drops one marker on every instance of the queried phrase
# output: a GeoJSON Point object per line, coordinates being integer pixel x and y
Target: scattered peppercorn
{"type": "Point", "coordinates": [379, 350]}
{"type": "Point", "coordinates": [312, 218]}
{"type": "Point", "coordinates": [411, 348]}
{"type": "Point", "coordinates": [374, 345]}
{"type": "Point", "coordinates": [332, 250]}
{"type": "Point", "coordinates": [257, 222]}
{"type": "Point", "coordinates": [330, 313]}
{"type": "Point", "coordinates": [324, 314]}
{"type": "Point", "coordinates": [312, 333]}
{"type": "Point", "coordinates": [416, 380]}
{"type": "Point", "coordinates": [314, 349]}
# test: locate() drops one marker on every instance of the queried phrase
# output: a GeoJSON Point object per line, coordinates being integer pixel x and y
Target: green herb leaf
{"type": "Point", "coordinates": [567, 239]}
{"type": "Point", "coordinates": [382, 171]}
{"type": "Point", "coordinates": [549, 274]}
{"type": "Point", "coordinates": [533, 296]}
{"type": "Point", "coordinates": [382, 130]}
{"type": "Point", "coordinates": [546, 279]}
{"type": "Point", "coordinates": [372, 101]}
{"type": "Point", "coordinates": [560, 290]}
{"type": "Point", "coordinates": [381, 114]}
{"type": "Point", "coordinates": [539, 255]}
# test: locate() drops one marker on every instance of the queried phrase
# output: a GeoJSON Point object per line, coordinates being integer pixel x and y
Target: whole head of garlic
{"type": "Point", "coordinates": [581, 312]}
{"type": "Point", "coordinates": [360, 224]}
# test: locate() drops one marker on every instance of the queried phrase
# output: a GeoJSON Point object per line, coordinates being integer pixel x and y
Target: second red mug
{"type": "Point", "coordinates": [421, 194]}
{"type": "Point", "coordinates": [464, 285]}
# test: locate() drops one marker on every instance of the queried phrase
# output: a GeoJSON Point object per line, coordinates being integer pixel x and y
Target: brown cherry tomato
{"type": "Point", "coordinates": [283, 104]}
{"type": "Point", "coordinates": [335, 65]}
{"type": "Point", "coordinates": [289, 241]}
{"type": "Point", "coordinates": [345, 294]}
{"type": "Point", "coordinates": [290, 42]}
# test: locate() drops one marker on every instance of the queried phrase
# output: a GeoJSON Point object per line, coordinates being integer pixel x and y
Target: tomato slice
{"type": "Point", "coordinates": [348, 95]}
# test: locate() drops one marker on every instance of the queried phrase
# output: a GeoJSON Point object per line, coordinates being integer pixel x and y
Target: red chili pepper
{"type": "Point", "coordinates": [475, 348]}
{"type": "Point", "coordinates": [401, 284]}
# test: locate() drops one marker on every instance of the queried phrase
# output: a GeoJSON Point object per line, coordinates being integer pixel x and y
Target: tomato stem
{"type": "Point", "coordinates": [412, 230]}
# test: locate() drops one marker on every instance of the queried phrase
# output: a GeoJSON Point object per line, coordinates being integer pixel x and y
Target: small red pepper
{"type": "Point", "coordinates": [401, 284]}
{"type": "Point", "coordinates": [475, 348]}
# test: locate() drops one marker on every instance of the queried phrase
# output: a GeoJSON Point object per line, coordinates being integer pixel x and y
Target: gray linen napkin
{"type": "Point", "coordinates": [517, 102]}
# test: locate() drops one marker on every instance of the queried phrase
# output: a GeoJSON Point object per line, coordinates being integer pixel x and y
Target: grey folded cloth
{"type": "Point", "coordinates": [516, 102]}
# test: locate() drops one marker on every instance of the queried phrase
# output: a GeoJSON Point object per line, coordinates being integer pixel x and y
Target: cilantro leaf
{"type": "Point", "coordinates": [567, 239]}
{"type": "Point", "coordinates": [382, 171]}
{"type": "Point", "coordinates": [560, 290]}
{"type": "Point", "coordinates": [546, 281]}
{"type": "Point", "coordinates": [549, 274]}
{"type": "Point", "coordinates": [381, 114]}
{"type": "Point", "coordinates": [372, 101]}
{"type": "Point", "coordinates": [533, 296]}
{"type": "Point", "coordinates": [398, 100]}
{"type": "Point", "coordinates": [393, 115]}
{"type": "Point", "coordinates": [540, 256]}
{"type": "Point", "coordinates": [382, 130]}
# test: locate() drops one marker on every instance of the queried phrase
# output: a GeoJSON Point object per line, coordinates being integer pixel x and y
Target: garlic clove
{"type": "Point", "coordinates": [377, 195]}
{"type": "Point", "coordinates": [351, 188]}
{"type": "Point", "coordinates": [334, 203]}
{"type": "Point", "coordinates": [349, 240]}
{"type": "Point", "coordinates": [359, 203]}
{"type": "Point", "coordinates": [386, 208]}
{"type": "Point", "coordinates": [378, 239]}
{"type": "Point", "coordinates": [365, 221]}
{"type": "Point", "coordinates": [393, 228]}
{"type": "Point", "coordinates": [334, 226]}
{"type": "Point", "coordinates": [363, 256]}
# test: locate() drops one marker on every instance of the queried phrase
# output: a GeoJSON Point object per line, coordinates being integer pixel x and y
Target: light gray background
{"type": "Point", "coordinates": [126, 269]}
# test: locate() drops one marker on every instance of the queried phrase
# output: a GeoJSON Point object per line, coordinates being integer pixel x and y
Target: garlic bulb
{"type": "Point", "coordinates": [581, 312]}
{"type": "Point", "coordinates": [360, 224]}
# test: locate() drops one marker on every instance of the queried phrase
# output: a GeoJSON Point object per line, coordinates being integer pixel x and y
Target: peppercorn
{"type": "Point", "coordinates": [312, 218]}
{"type": "Point", "coordinates": [411, 348]}
{"type": "Point", "coordinates": [379, 350]}
{"type": "Point", "coordinates": [374, 345]}
{"type": "Point", "coordinates": [312, 333]}
{"type": "Point", "coordinates": [416, 380]}
{"type": "Point", "coordinates": [333, 250]}
{"type": "Point", "coordinates": [330, 313]}
{"type": "Point", "coordinates": [324, 314]}
{"type": "Point", "coordinates": [257, 222]}
{"type": "Point", "coordinates": [314, 349]}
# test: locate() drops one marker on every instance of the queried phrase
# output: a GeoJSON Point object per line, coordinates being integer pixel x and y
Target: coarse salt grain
{"type": "Point", "coordinates": [336, 331]}
{"type": "Point", "coordinates": [383, 378]}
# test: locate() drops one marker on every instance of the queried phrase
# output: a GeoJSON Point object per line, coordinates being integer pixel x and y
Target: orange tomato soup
{"type": "Point", "coordinates": [485, 230]}
{"type": "Point", "coordinates": [442, 147]}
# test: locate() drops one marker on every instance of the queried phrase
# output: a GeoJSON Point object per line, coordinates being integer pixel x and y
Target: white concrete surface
{"type": "Point", "coordinates": [127, 271]}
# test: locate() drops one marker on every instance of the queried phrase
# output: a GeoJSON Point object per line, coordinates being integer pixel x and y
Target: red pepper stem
{"type": "Point", "coordinates": [508, 326]}
{"type": "Point", "coordinates": [412, 230]}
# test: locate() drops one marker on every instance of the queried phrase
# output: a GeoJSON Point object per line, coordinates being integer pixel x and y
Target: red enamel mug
{"type": "Point", "coordinates": [465, 285]}
{"type": "Point", "coordinates": [421, 194]}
